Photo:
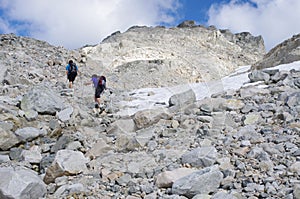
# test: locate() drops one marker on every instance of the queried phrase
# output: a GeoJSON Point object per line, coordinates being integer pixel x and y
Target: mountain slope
{"type": "Point", "coordinates": [148, 143]}
{"type": "Point", "coordinates": [169, 56]}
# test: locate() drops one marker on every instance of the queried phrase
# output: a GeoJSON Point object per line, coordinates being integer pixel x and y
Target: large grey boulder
{"type": "Point", "coordinates": [201, 182]}
{"type": "Point", "coordinates": [65, 114]}
{"type": "Point", "coordinates": [296, 192]}
{"type": "Point", "coordinates": [98, 149]}
{"type": "Point", "coordinates": [148, 117]}
{"type": "Point", "coordinates": [182, 100]}
{"type": "Point", "coordinates": [66, 162]}
{"type": "Point", "coordinates": [42, 99]}
{"type": "Point", "coordinates": [167, 178]}
{"type": "Point", "coordinates": [122, 126]}
{"type": "Point", "coordinates": [29, 133]}
{"type": "Point", "coordinates": [293, 100]}
{"type": "Point", "coordinates": [33, 155]}
{"type": "Point", "coordinates": [258, 75]}
{"type": "Point", "coordinates": [20, 183]}
{"type": "Point", "coordinates": [200, 157]}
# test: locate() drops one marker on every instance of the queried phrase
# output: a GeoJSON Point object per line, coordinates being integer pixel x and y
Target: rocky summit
{"type": "Point", "coordinates": [230, 143]}
{"type": "Point", "coordinates": [187, 54]}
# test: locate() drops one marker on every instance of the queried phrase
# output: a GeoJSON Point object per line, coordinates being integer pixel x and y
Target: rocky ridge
{"type": "Point", "coordinates": [187, 54]}
{"type": "Point", "coordinates": [284, 53]}
{"type": "Point", "coordinates": [236, 144]}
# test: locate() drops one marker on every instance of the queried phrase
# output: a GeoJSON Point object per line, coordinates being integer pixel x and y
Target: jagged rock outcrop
{"type": "Point", "coordinates": [284, 53]}
{"type": "Point", "coordinates": [170, 56]}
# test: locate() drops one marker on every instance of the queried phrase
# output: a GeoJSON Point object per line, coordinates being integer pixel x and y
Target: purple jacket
{"type": "Point", "coordinates": [95, 81]}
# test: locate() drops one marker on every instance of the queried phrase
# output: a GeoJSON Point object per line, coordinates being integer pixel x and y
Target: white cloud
{"type": "Point", "coordinates": [75, 23]}
{"type": "Point", "coordinates": [4, 26]}
{"type": "Point", "coordinates": [275, 20]}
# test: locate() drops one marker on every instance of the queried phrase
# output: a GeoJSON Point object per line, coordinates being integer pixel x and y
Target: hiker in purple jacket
{"type": "Point", "coordinates": [99, 83]}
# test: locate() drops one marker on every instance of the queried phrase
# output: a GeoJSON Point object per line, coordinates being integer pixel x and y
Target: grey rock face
{"type": "Point", "coordinates": [27, 54]}
{"type": "Point", "coordinates": [284, 53]}
{"type": "Point", "coordinates": [168, 57]}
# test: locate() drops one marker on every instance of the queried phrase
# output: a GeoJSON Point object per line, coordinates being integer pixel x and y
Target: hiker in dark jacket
{"type": "Point", "coordinates": [99, 83]}
{"type": "Point", "coordinates": [71, 71]}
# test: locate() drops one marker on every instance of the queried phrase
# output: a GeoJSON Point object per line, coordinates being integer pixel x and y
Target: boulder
{"type": "Point", "coordinates": [167, 178]}
{"type": "Point", "coordinates": [122, 126]}
{"type": "Point", "coordinates": [20, 183]}
{"type": "Point", "coordinates": [258, 75]}
{"type": "Point", "coordinates": [182, 100]}
{"type": "Point", "coordinates": [98, 149]}
{"type": "Point", "coordinates": [65, 115]}
{"type": "Point", "coordinates": [7, 139]}
{"type": "Point", "coordinates": [204, 181]}
{"type": "Point", "coordinates": [200, 157]}
{"type": "Point", "coordinates": [66, 162]}
{"type": "Point", "coordinates": [148, 117]}
{"type": "Point", "coordinates": [42, 99]}
{"type": "Point", "coordinates": [29, 133]}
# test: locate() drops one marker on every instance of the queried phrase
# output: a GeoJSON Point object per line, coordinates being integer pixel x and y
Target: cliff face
{"type": "Point", "coordinates": [183, 54]}
{"type": "Point", "coordinates": [284, 53]}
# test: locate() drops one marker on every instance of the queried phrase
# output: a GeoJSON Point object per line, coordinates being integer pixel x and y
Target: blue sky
{"type": "Point", "coordinates": [75, 23]}
{"type": "Point", "coordinates": [197, 9]}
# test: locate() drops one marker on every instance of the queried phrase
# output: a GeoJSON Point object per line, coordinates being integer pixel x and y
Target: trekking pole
{"type": "Point", "coordinates": [81, 86]}
{"type": "Point", "coordinates": [67, 82]}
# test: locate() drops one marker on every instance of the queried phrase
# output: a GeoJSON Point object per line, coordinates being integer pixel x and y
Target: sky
{"type": "Point", "coordinates": [76, 23]}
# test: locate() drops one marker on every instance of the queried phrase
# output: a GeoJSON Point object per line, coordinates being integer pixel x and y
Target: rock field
{"type": "Point", "coordinates": [235, 144]}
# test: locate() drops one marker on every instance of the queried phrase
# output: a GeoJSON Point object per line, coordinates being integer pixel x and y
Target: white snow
{"type": "Point", "coordinates": [149, 98]}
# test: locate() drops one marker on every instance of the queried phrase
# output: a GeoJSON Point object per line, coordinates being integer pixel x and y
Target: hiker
{"type": "Point", "coordinates": [71, 71]}
{"type": "Point", "coordinates": [99, 83]}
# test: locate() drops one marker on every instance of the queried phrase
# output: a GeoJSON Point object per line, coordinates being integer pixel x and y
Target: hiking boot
{"type": "Point", "coordinates": [97, 106]}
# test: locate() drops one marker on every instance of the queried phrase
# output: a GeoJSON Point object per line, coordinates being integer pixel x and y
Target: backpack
{"type": "Point", "coordinates": [72, 68]}
{"type": "Point", "coordinates": [102, 81]}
